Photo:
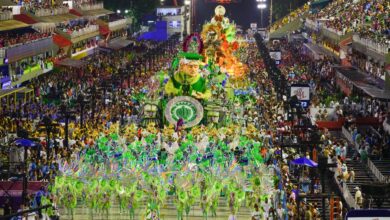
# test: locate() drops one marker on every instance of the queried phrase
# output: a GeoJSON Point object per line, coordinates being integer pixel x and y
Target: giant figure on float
{"type": "Point", "coordinates": [186, 78]}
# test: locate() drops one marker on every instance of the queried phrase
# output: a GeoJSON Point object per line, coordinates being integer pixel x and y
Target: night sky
{"type": "Point", "coordinates": [242, 13]}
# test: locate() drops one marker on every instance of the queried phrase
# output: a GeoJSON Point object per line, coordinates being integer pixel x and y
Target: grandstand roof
{"type": "Point", "coordinates": [11, 24]}
{"type": "Point", "coordinates": [371, 86]}
{"type": "Point", "coordinates": [97, 12]}
{"type": "Point", "coordinates": [57, 18]}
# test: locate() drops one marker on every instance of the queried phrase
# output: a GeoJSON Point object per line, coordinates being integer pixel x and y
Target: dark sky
{"type": "Point", "coordinates": [242, 13]}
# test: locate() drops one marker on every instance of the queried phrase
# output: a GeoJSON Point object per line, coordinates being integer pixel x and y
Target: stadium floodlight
{"type": "Point", "coordinates": [262, 6]}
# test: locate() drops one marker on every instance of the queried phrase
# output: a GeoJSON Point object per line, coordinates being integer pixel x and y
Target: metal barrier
{"type": "Point", "coordinates": [370, 164]}
{"type": "Point", "coordinates": [346, 193]}
{"type": "Point", "coordinates": [348, 135]}
{"type": "Point", "coordinates": [376, 171]}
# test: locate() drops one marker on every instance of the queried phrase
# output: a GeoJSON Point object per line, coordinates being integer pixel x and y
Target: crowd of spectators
{"type": "Point", "coordinates": [8, 39]}
{"type": "Point", "coordinates": [86, 5]}
{"type": "Point", "coordinates": [65, 87]}
{"type": "Point", "coordinates": [375, 69]}
{"type": "Point", "coordinates": [292, 16]}
{"type": "Point", "coordinates": [78, 27]}
{"type": "Point", "coordinates": [41, 9]}
{"type": "Point", "coordinates": [367, 18]}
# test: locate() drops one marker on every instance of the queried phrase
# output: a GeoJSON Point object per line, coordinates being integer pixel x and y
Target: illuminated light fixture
{"type": "Point", "coordinates": [187, 2]}
{"type": "Point", "coordinates": [118, 11]}
{"type": "Point", "coordinates": [261, 6]}
{"type": "Point", "coordinates": [126, 11]}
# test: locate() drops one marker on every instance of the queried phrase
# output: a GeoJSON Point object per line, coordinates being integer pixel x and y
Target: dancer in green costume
{"type": "Point", "coordinates": [180, 200]}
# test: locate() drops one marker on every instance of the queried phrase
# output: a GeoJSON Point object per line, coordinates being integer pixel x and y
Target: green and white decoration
{"type": "Point", "coordinates": [185, 107]}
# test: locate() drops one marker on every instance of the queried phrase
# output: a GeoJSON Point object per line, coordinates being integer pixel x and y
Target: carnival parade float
{"type": "Point", "coordinates": [197, 141]}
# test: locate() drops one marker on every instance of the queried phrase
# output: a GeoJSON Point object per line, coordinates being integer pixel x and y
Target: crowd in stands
{"type": "Point", "coordinates": [5, 14]}
{"type": "Point", "coordinates": [40, 9]}
{"type": "Point", "coordinates": [292, 16]}
{"type": "Point", "coordinates": [8, 39]}
{"type": "Point", "coordinates": [371, 67]}
{"type": "Point", "coordinates": [66, 86]}
{"type": "Point", "coordinates": [367, 18]}
{"type": "Point", "coordinates": [87, 5]}
{"type": "Point", "coordinates": [365, 107]}
{"type": "Point", "coordinates": [78, 27]}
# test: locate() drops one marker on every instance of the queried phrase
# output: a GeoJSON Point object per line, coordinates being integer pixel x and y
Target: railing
{"type": "Point", "coordinates": [311, 24]}
{"type": "Point", "coordinates": [348, 135]}
{"type": "Point", "coordinates": [24, 43]}
{"type": "Point", "coordinates": [370, 164]}
{"type": "Point", "coordinates": [87, 7]}
{"type": "Point", "coordinates": [381, 48]}
{"type": "Point", "coordinates": [31, 48]}
{"type": "Point", "coordinates": [333, 31]}
{"type": "Point", "coordinates": [6, 15]}
{"type": "Point", "coordinates": [346, 193]}
{"type": "Point", "coordinates": [41, 12]}
{"type": "Point", "coordinates": [84, 31]}
{"type": "Point", "coordinates": [376, 172]}
{"type": "Point", "coordinates": [117, 23]}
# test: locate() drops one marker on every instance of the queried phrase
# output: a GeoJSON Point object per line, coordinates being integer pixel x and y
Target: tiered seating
{"type": "Point", "coordinates": [362, 174]}
{"type": "Point", "coordinates": [87, 5]}
{"type": "Point", "coordinates": [78, 27]}
{"type": "Point", "coordinates": [367, 18]}
{"type": "Point", "coordinates": [383, 166]}
{"type": "Point", "coordinates": [41, 10]}
{"type": "Point", "coordinates": [292, 16]}
{"type": "Point", "coordinates": [20, 36]}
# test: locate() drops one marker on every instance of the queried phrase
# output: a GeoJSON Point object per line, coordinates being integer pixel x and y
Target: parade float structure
{"type": "Point", "coordinates": [145, 172]}
{"type": "Point", "coordinates": [207, 82]}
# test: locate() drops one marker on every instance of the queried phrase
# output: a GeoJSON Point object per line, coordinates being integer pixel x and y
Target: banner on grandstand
{"type": "Point", "coordinates": [276, 55]}
{"type": "Point", "coordinates": [302, 91]}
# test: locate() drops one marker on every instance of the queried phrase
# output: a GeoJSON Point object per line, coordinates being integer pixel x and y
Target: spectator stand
{"type": "Point", "coordinates": [8, 98]}
{"type": "Point", "coordinates": [90, 9]}
{"type": "Point", "coordinates": [352, 138]}
{"type": "Point", "coordinates": [15, 173]}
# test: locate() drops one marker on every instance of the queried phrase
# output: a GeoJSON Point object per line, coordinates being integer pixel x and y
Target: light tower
{"type": "Point", "coordinates": [261, 4]}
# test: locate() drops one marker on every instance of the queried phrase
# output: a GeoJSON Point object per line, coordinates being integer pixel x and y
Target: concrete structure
{"type": "Point", "coordinates": [177, 17]}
